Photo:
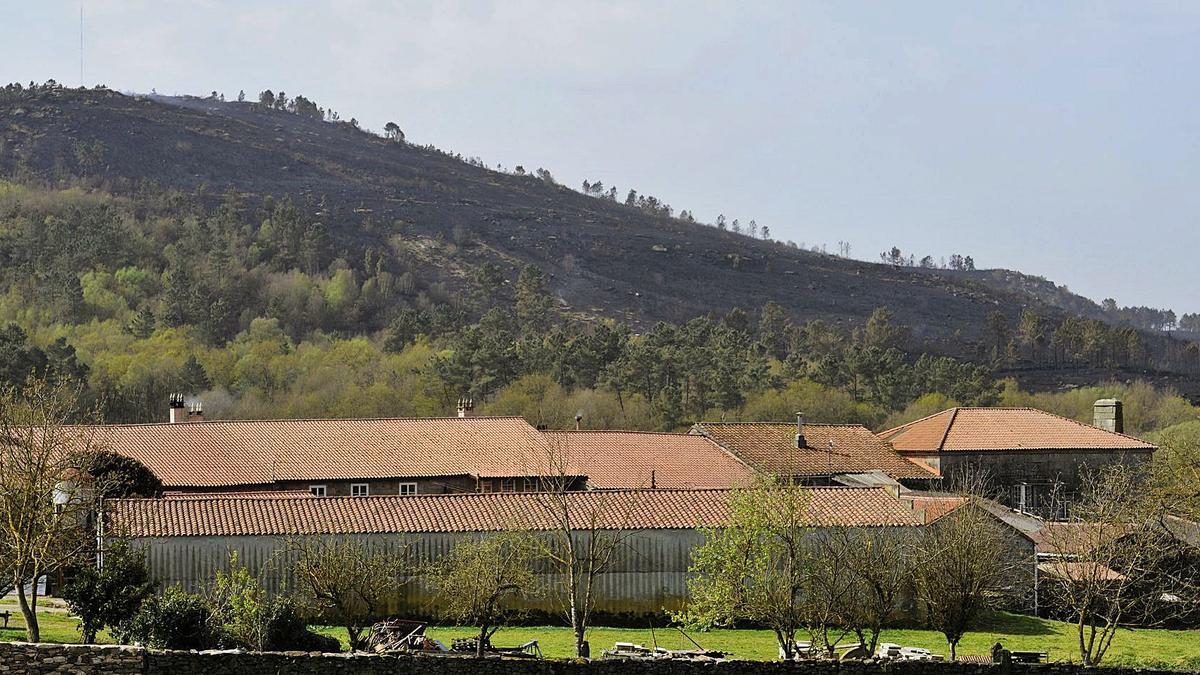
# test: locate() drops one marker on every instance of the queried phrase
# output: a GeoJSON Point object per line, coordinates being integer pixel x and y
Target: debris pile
{"type": "Point", "coordinates": [402, 636]}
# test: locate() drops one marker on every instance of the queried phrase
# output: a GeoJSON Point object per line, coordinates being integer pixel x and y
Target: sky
{"type": "Point", "coordinates": [1061, 139]}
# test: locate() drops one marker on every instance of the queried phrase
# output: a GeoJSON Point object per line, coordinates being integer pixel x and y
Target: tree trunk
{"type": "Point", "coordinates": [579, 641]}
{"type": "Point", "coordinates": [483, 631]}
{"type": "Point", "coordinates": [33, 632]}
{"type": "Point", "coordinates": [354, 633]}
{"type": "Point", "coordinates": [954, 650]}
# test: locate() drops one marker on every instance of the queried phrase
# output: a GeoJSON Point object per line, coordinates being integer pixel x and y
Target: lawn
{"type": "Point", "coordinates": [1176, 649]}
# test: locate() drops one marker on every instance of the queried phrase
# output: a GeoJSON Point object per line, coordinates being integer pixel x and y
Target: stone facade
{"type": "Point", "coordinates": [109, 660]}
{"type": "Point", "coordinates": [1028, 479]}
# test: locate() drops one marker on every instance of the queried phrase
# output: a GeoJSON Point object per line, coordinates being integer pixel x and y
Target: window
{"type": "Point", "coordinates": [531, 485]}
{"type": "Point", "coordinates": [508, 485]}
{"type": "Point", "coordinates": [485, 486]}
{"type": "Point", "coordinates": [317, 490]}
{"type": "Point", "coordinates": [408, 488]}
{"type": "Point", "coordinates": [359, 489]}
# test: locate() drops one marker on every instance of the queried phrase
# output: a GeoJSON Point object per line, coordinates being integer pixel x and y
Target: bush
{"type": "Point", "coordinates": [287, 631]}
{"type": "Point", "coordinates": [173, 619]}
{"type": "Point", "coordinates": [111, 595]}
{"type": "Point", "coordinates": [244, 616]}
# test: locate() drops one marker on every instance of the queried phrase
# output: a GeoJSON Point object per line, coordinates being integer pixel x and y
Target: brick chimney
{"type": "Point", "coordinates": [1107, 414]}
{"type": "Point", "coordinates": [196, 412]}
{"type": "Point", "coordinates": [466, 407]}
{"type": "Point", "coordinates": [178, 410]}
{"type": "Point", "coordinates": [800, 441]}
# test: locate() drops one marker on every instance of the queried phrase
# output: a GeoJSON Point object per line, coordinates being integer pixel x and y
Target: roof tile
{"type": "Point", "coordinates": [971, 429]}
{"type": "Point", "coordinates": [232, 515]}
{"type": "Point", "coordinates": [773, 448]}
{"type": "Point", "coordinates": [633, 459]}
{"type": "Point", "coordinates": [259, 452]}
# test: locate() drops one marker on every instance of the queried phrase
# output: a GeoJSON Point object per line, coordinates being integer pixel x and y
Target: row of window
{"type": "Point", "coordinates": [362, 489]}
{"type": "Point", "coordinates": [509, 485]}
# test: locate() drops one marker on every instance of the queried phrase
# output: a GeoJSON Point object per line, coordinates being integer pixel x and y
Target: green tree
{"type": "Point", "coordinates": [111, 592]}
{"type": "Point", "coordinates": [754, 568]}
{"type": "Point", "coordinates": [347, 581]}
{"type": "Point", "coordinates": [478, 582]}
{"type": "Point", "coordinates": [884, 332]}
{"type": "Point", "coordinates": [533, 301]}
{"type": "Point", "coordinates": [193, 377]}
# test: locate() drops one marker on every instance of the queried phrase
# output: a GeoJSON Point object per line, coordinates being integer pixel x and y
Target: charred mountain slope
{"type": "Point", "coordinates": [604, 258]}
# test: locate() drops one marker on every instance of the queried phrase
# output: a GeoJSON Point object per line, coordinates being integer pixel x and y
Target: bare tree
{"type": "Point", "coordinates": [881, 564]}
{"type": "Point", "coordinates": [478, 579]}
{"type": "Point", "coordinates": [587, 531]}
{"type": "Point", "coordinates": [1114, 561]}
{"type": "Point", "coordinates": [348, 581]}
{"type": "Point", "coordinates": [45, 494]}
{"type": "Point", "coordinates": [963, 569]}
{"type": "Point", "coordinates": [829, 590]}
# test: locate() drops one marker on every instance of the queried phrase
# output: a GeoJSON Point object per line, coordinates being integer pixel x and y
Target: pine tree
{"type": "Point", "coordinates": [193, 378]}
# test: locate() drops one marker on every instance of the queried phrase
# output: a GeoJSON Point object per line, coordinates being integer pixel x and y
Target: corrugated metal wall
{"type": "Point", "coordinates": [649, 576]}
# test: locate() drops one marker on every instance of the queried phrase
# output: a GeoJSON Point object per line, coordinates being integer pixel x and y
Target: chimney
{"type": "Point", "coordinates": [800, 442]}
{"type": "Point", "coordinates": [196, 412]}
{"type": "Point", "coordinates": [178, 411]}
{"type": "Point", "coordinates": [578, 421]}
{"type": "Point", "coordinates": [1107, 414]}
{"type": "Point", "coordinates": [466, 407]}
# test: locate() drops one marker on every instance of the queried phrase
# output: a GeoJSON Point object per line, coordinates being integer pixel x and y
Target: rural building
{"type": "Point", "coordinates": [404, 456]}
{"type": "Point", "coordinates": [1026, 454]}
{"type": "Point", "coordinates": [817, 454]}
{"type": "Point", "coordinates": [189, 538]}
{"type": "Point", "coordinates": [338, 457]}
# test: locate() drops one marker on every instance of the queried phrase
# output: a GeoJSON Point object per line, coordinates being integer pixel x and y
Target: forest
{"type": "Point", "coordinates": [252, 309]}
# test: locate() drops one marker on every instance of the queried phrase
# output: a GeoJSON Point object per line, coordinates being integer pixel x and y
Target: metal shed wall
{"type": "Point", "coordinates": [649, 576]}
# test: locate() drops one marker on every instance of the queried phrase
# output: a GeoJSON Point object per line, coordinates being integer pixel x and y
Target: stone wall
{"type": "Point", "coordinates": [110, 660]}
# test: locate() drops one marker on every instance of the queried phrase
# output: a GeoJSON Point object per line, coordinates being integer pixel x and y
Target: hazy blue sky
{"type": "Point", "coordinates": [1059, 138]}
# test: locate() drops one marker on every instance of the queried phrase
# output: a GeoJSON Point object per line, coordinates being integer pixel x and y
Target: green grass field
{"type": "Point", "coordinates": [1176, 649]}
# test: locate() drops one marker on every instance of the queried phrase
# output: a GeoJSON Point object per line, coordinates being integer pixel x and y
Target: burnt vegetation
{"type": "Point", "coordinates": [226, 242]}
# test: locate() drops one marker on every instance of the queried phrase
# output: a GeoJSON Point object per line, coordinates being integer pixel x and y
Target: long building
{"type": "Point", "coordinates": [189, 538]}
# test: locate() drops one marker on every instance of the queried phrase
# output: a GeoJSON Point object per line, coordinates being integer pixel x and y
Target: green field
{"type": "Point", "coordinates": [1177, 649]}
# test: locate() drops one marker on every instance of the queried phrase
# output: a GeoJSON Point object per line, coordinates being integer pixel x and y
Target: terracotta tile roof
{"type": "Point", "coordinates": [772, 448]}
{"type": "Point", "coordinates": [1080, 571]}
{"type": "Point", "coordinates": [960, 429]}
{"type": "Point", "coordinates": [625, 459]}
{"type": "Point", "coordinates": [1075, 538]}
{"type": "Point", "coordinates": [230, 515]}
{"type": "Point", "coordinates": [260, 452]}
{"type": "Point", "coordinates": [933, 506]}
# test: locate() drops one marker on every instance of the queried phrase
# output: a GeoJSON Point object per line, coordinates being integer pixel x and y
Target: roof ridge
{"type": "Point", "coordinates": [302, 496]}
{"type": "Point", "coordinates": [946, 433]}
{"type": "Point", "coordinates": [618, 431]}
{"type": "Point", "coordinates": [898, 427]}
{"type": "Point", "coordinates": [784, 424]}
{"type": "Point", "coordinates": [301, 419]}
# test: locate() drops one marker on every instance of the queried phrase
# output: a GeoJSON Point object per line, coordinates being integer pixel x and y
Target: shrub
{"type": "Point", "coordinates": [111, 595]}
{"type": "Point", "coordinates": [173, 619]}
{"type": "Point", "coordinates": [244, 616]}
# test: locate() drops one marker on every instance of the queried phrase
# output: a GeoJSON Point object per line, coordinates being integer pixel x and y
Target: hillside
{"type": "Point", "coordinates": [604, 258]}
{"type": "Point", "coordinates": [253, 242]}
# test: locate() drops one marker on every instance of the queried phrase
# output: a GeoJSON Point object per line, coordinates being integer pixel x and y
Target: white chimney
{"type": "Point", "coordinates": [196, 412]}
{"type": "Point", "coordinates": [179, 412]}
{"type": "Point", "coordinates": [466, 407]}
{"type": "Point", "coordinates": [800, 442]}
